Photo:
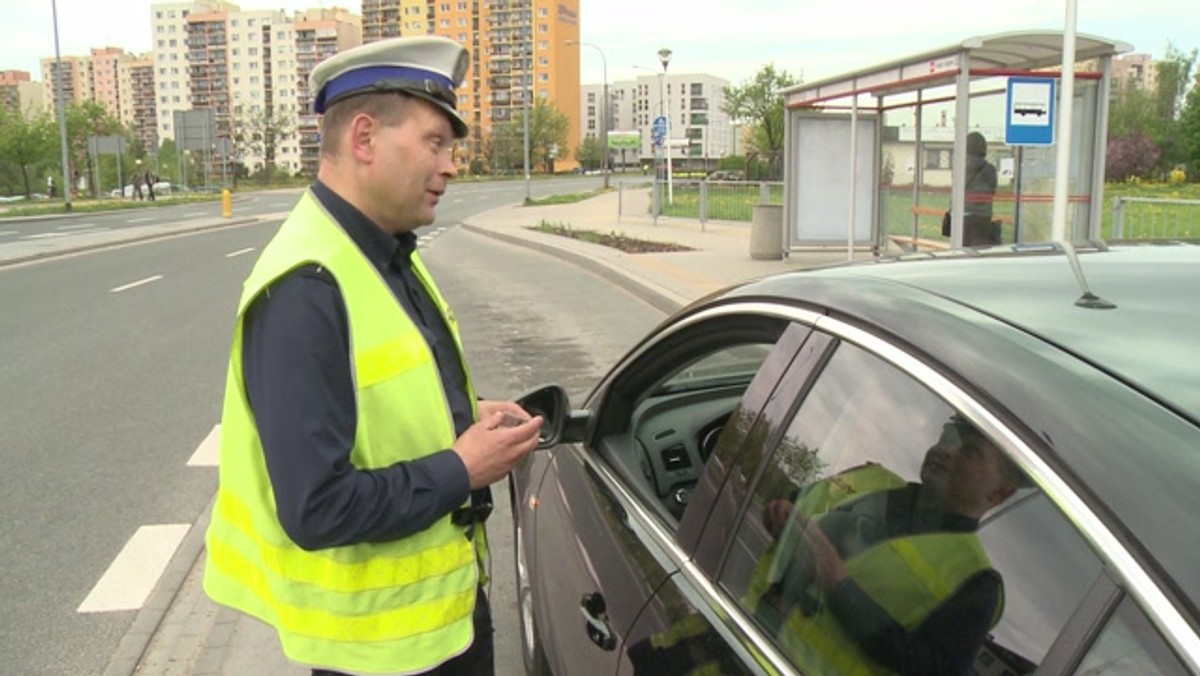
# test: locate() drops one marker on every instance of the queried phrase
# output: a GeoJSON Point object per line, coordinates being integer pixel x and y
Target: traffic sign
{"type": "Point", "coordinates": [1030, 118]}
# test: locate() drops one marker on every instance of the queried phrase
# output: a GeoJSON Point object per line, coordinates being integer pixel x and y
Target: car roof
{"type": "Point", "coordinates": [1109, 396]}
{"type": "Point", "coordinates": [1147, 333]}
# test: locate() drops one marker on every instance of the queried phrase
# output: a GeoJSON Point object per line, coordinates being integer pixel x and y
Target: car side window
{"type": "Point", "coordinates": [661, 420]}
{"type": "Point", "coordinates": [885, 530]}
{"type": "Point", "coordinates": [1129, 644]}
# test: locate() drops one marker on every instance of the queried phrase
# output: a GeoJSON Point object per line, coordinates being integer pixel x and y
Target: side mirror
{"type": "Point", "coordinates": [550, 402]}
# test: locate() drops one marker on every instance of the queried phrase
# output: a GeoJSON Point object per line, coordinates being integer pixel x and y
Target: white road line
{"type": "Point", "coordinates": [239, 252]}
{"type": "Point", "coordinates": [140, 220]}
{"type": "Point", "coordinates": [139, 282]}
{"type": "Point", "coordinates": [208, 451]}
{"type": "Point", "coordinates": [81, 226]}
{"type": "Point", "coordinates": [132, 575]}
{"type": "Point", "coordinates": [196, 213]}
{"type": "Point", "coordinates": [9, 232]}
{"type": "Point", "coordinates": [47, 235]}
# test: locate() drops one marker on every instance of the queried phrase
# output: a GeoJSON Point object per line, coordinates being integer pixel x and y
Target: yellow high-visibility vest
{"type": "Point", "coordinates": [394, 607]}
{"type": "Point", "coordinates": [908, 576]}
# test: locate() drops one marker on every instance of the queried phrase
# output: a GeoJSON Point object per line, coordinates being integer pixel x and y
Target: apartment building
{"type": "Point", "coordinates": [519, 50]}
{"type": "Point", "coordinates": [76, 80]}
{"type": "Point", "coordinates": [1134, 70]}
{"type": "Point", "coordinates": [320, 34]}
{"type": "Point", "coordinates": [136, 87]}
{"type": "Point", "coordinates": [701, 132]}
{"type": "Point", "coordinates": [172, 72]}
{"type": "Point", "coordinates": [18, 92]}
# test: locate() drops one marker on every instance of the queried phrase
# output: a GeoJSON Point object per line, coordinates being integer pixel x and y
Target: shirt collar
{"type": "Point", "coordinates": [378, 246]}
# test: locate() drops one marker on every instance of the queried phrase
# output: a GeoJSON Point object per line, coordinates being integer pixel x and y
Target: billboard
{"type": "Point", "coordinates": [624, 140]}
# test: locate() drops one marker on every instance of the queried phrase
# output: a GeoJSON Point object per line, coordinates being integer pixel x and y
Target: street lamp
{"type": "Point", "coordinates": [604, 120]}
{"type": "Point", "coordinates": [664, 57]}
{"type": "Point", "coordinates": [68, 187]}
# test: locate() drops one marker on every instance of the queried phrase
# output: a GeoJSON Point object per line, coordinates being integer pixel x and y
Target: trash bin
{"type": "Point", "coordinates": [766, 233]}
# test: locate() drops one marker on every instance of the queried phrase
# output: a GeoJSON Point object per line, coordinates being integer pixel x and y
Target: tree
{"type": "Point", "coordinates": [548, 128]}
{"type": "Point", "coordinates": [1174, 75]}
{"type": "Point", "coordinates": [758, 103]}
{"type": "Point", "coordinates": [257, 132]}
{"type": "Point", "coordinates": [1189, 130]}
{"type": "Point", "coordinates": [1133, 155]}
{"type": "Point", "coordinates": [85, 120]}
{"type": "Point", "coordinates": [26, 144]}
{"type": "Point", "coordinates": [590, 153]}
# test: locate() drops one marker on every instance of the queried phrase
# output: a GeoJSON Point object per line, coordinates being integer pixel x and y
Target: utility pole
{"type": "Point", "coordinates": [68, 186]}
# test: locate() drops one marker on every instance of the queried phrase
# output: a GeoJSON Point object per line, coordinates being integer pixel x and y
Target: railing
{"type": "Point", "coordinates": [1155, 218]}
{"type": "Point", "coordinates": [703, 200]}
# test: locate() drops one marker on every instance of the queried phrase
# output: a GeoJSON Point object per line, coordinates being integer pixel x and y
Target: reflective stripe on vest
{"type": "Point", "coordinates": [396, 607]}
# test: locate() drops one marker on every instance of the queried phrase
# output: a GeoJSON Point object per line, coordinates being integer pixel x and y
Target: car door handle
{"type": "Point", "coordinates": [595, 613]}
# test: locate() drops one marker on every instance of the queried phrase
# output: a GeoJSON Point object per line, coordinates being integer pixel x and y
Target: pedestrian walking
{"type": "Point", "coordinates": [355, 457]}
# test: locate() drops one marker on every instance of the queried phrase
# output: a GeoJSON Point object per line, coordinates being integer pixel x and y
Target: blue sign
{"type": "Point", "coordinates": [658, 131]}
{"type": "Point", "coordinates": [1029, 119]}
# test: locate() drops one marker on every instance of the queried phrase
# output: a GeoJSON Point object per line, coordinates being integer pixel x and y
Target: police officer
{"type": "Point", "coordinates": [355, 456]}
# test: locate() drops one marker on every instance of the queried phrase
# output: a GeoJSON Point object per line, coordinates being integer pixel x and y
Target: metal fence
{"type": "Point", "coordinates": [1154, 218]}
{"type": "Point", "coordinates": [703, 200]}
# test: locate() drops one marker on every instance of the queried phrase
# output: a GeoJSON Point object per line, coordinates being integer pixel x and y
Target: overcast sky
{"type": "Point", "coordinates": [730, 39]}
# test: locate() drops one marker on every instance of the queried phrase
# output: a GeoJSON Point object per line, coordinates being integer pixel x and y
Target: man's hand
{"type": "Point", "coordinates": [490, 447]}
{"type": "Point", "coordinates": [487, 407]}
{"type": "Point", "coordinates": [818, 555]}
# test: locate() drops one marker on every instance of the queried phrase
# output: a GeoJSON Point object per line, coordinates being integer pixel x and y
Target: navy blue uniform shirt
{"type": "Point", "coordinates": [296, 364]}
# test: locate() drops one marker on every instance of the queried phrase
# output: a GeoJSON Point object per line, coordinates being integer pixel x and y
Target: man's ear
{"type": "Point", "coordinates": [362, 131]}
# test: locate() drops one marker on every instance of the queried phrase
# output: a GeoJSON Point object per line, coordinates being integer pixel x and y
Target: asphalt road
{"type": "Point", "coordinates": [112, 379]}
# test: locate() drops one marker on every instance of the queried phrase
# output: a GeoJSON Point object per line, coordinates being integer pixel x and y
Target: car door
{"type": "Point", "coordinates": [877, 411]}
{"type": "Point", "coordinates": [607, 513]}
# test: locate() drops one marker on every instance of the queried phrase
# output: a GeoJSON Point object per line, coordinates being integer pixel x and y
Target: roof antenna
{"type": "Point", "coordinates": [1088, 300]}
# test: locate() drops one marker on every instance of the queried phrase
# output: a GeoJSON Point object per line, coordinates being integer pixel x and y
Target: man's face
{"type": "Point", "coordinates": [963, 469]}
{"type": "Point", "coordinates": [413, 166]}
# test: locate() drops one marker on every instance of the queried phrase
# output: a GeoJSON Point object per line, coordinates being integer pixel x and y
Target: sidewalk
{"type": "Point", "coordinates": [180, 632]}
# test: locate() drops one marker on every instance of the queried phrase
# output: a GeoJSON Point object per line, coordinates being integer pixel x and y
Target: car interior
{"type": "Point", "coordinates": [662, 423]}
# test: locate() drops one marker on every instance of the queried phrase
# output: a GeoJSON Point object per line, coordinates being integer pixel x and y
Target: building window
{"type": "Point", "coordinates": [542, 11]}
{"type": "Point", "coordinates": [543, 44]}
{"type": "Point", "coordinates": [543, 28]}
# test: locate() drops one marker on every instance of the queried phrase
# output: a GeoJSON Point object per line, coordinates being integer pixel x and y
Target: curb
{"type": "Point", "coordinates": [136, 641]}
{"type": "Point", "coordinates": [660, 299]}
{"type": "Point", "coordinates": [131, 240]}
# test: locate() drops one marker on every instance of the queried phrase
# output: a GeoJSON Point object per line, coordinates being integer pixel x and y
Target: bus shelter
{"type": "Point", "coordinates": [875, 158]}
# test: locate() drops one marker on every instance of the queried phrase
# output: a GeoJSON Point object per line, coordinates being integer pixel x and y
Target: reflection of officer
{"type": "Point", "coordinates": [873, 575]}
{"type": "Point", "coordinates": [355, 459]}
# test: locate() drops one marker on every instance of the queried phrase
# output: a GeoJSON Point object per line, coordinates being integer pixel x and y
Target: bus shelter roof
{"type": "Point", "coordinates": [1002, 53]}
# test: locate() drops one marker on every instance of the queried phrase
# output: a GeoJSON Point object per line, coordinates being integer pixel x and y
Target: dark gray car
{"type": "Point", "coordinates": [972, 462]}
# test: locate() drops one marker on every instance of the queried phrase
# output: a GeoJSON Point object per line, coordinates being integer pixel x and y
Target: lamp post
{"type": "Point", "coordinates": [604, 119]}
{"type": "Point", "coordinates": [68, 187]}
{"type": "Point", "coordinates": [657, 200]}
{"type": "Point", "coordinates": [664, 57]}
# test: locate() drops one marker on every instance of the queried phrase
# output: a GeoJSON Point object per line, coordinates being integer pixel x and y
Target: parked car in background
{"type": "Point", "coordinates": [161, 188]}
{"type": "Point", "coordinates": [980, 462]}
{"type": "Point", "coordinates": [727, 175]}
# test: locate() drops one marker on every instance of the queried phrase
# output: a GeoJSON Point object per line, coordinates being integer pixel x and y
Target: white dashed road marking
{"type": "Point", "coordinates": [208, 451]}
{"type": "Point", "coordinates": [139, 220]}
{"type": "Point", "coordinates": [81, 226]}
{"type": "Point", "coordinates": [140, 282]}
{"type": "Point", "coordinates": [239, 252]}
{"type": "Point", "coordinates": [135, 571]}
{"type": "Point", "coordinates": [47, 235]}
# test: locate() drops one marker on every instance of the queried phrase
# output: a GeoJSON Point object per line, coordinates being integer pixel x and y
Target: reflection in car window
{"type": "Point", "coordinates": [887, 532]}
{"type": "Point", "coordinates": [1129, 646]}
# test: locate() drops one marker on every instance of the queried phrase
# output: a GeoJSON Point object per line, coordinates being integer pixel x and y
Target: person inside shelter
{"type": "Point", "coordinates": [871, 574]}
